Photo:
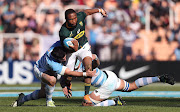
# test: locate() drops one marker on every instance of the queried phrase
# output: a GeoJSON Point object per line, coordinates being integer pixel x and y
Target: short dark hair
{"type": "Point", "coordinates": [69, 11]}
{"type": "Point", "coordinates": [58, 53]}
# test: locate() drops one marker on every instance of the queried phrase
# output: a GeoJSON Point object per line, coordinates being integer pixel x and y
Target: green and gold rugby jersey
{"type": "Point", "coordinates": [77, 33]}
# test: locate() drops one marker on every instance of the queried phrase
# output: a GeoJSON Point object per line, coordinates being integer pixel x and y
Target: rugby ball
{"type": "Point", "coordinates": [67, 42]}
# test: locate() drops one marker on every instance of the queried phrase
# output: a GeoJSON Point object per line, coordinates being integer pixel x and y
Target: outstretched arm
{"type": "Point", "coordinates": [78, 74]}
{"type": "Point", "coordinates": [92, 11]}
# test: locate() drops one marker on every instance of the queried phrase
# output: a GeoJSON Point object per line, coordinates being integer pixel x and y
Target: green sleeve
{"type": "Point", "coordinates": [82, 14]}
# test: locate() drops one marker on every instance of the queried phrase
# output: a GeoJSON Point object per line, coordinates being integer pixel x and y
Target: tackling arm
{"type": "Point", "coordinates": [79, 74]}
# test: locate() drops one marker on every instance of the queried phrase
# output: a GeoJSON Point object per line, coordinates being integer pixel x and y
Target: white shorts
{"type": "Point", "coordinates": [111, 84]}
{"type": "Point", "coordinates": [80, 54]}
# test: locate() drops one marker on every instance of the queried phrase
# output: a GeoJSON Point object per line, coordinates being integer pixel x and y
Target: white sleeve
{"type": "Point", "coordinates": [63, 70]}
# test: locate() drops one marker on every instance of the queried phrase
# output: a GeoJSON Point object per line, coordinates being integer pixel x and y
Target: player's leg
{"type": "Point", "coordinates": [50, 82]}
{"type": "Point", "coordinates": [95, 100]}
{"type": "Point", "coordinates": [32, 96]}
{"type": "Point", "coordinates": [46, 80]}
{"type": "Point", "coordinates": [87, 62]}
{"type": "Point", "coordinates": [99, 96]}
{"type": "Point", "coordinates": [70, 60]}
{"type": "Point", "coordinates": [125, 86]}
{"type": "Point", "coordinates": [107, 89]}
{"type": "Point", "coordinates": [86, 56]}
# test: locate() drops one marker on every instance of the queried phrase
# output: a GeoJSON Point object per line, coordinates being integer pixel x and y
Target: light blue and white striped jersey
{"type": "Point", "coordinates": [47, 63]}
{"type": "Point", "coordinates": [99, 79]}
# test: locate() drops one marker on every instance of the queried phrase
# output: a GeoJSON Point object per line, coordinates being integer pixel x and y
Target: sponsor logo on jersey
{"type": "Point", "coordinates": [81, 23]}
{"type": "Point", "coordinates": [78, 31]}
{"type": "Point", "coordinates": [79, 35]}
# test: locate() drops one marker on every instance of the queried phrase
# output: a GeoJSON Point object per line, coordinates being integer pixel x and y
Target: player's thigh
{"type": "Point", "coordinates": [85, 51]}
{"type": "Point", "coordinates": [70, 60]}
{"type": "Point", "coordinates": [43, 76]}
{"type": "Point", "coordinates": [120, 85]}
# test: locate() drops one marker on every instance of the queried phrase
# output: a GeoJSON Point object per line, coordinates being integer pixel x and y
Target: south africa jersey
{"type": "Point", "coordinates": [77, 33]}
{"type": "Point", "coordinates": [47, 63]}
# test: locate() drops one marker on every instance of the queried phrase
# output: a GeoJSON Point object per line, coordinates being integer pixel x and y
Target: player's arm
{"type": "Point", "coordinates": [75, 44]}
{"type": "Point", "coordinates": [92, 11]}
{"type": "Point", "coordinates": [79, 74]}
{"type": "Point", "coordinates": [66, 85]}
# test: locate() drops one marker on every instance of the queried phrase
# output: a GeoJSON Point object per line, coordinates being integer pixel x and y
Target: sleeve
{"type": "Point", "coordinates": [58, 68]}
{"type": "Point", "coordinates": [82, 15]}
{"type": "Point", "coordinates": [62, 71]}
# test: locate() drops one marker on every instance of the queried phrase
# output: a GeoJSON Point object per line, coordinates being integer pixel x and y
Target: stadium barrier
{"type": "Point", "coordinates": [21, 72]}
{"type": "Point", "coordinates": [132, 70]}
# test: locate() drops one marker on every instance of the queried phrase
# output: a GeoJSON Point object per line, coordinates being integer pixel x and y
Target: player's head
{"type": "Point", "coordinates": [58, 54]}
{"type": "Point", "coordinates": [71, 17]}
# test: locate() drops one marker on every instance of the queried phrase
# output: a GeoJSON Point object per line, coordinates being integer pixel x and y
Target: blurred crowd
{"type": "Point", "coordinates": [121, 36]}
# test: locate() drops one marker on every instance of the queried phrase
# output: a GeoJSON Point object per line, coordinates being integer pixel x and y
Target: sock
{"type": "Point", "coordinates": [32, 96]}
{"type": "Point", "coordinates": [106, 103]}
{"type": "Point", "coordinates": [145, 81]}
{"type": "Point", "coordinates": [87, 88]}
{"type": "Point", "coordinates": [49, 91]}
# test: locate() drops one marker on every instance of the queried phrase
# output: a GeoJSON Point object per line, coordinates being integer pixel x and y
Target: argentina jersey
{"type": "Point", "coordinates": [46, 62]}
{"type": "Point", "coordinates": [99, 79]}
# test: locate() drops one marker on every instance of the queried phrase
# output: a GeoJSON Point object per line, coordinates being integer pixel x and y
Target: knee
{"type": "Point", "coordinates": [87, 80]}
{"type": "Point", "coordinates": [132, 87]}
{"type": "Point", "coordinates": [52, 81]}
{"type": "Point", "coordinates": [87, 60]}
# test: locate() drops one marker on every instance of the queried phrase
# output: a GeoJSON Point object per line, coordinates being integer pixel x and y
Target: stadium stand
{"type": "Point", "coordinates": [35, 21]}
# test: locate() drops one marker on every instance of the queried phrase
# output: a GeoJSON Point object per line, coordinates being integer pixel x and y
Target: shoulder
{"type": "Point", "coordinates": [81, 14]}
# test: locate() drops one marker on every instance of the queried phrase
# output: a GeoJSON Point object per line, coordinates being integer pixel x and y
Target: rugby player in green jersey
{"type": "Point", "coordinates": [74, 27]}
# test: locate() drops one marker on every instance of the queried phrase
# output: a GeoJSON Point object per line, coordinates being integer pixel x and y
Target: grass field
{"type": "Point", "coordinates": [133, 104]}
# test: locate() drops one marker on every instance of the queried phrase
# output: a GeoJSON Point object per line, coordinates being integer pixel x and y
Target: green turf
{"type": "Point", "coordinates": [133, 104]}
{"type": "Point", "coordinates": [79, 86]}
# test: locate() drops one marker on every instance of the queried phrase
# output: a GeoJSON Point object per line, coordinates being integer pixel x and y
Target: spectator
{"type": "Point", "coordinates": [129, 37]}
{"type": "Point", "coordinates": [103, 40]}
{"type": "Point", "coordinates": [176, 53]}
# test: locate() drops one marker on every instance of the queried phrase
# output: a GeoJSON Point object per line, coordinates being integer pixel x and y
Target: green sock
{"type": "Point", "coordinates": [87, 88]}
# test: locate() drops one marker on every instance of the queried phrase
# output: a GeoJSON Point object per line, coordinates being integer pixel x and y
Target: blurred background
{"type": "Point", "coordinates": [135, 32]}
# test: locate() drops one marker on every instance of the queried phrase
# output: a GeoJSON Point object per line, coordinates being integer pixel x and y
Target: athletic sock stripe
{"type": "Point", "coordinates": [140, 82]}
{"type": "Point", "coordinates": [137, 83]}
{"type": "Point", "coordinates": [145, 81]}
{"type": "Point", "coordinates": [149, 80]}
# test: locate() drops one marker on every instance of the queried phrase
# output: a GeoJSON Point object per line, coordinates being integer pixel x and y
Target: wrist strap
{"type": "Point", "coordinates": [84, 74]}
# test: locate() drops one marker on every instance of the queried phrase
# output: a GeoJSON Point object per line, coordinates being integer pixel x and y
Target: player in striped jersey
{"type": "Point", "coordinates": [48, 69]}
{"type": "Point", "coordinates": [107, 82]}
